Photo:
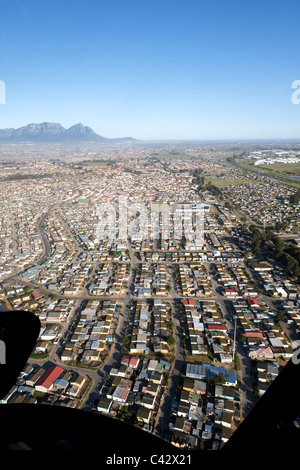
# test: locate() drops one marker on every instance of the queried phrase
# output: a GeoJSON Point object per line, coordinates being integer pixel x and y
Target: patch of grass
{"type": "Point", "coordinates": [38, 395]}
{"type": "Point", "coordinates": [226, 181]}
{"type": "Point", "coordinates": [39, 355]}
{"type": "Point", "coordinates": [198, 358]}
{"type": "Point", "coordinates": [102, 163]}
{"type": "Point", "coordinates": [245, 163]}
{"type": "Point", "coordinates": [213, 209]}
{"type": "Point", "coordinates": [286, 168]}
{"type": "Point", "coordinates": [266, 170]}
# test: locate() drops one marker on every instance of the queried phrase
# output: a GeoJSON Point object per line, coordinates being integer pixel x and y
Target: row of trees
{"type": "Point", "coordinates": [286, 254]}
{"type": "Point", "coordinates": [199, 180]}
{"type": "Point", "coordinates": [27, 176]}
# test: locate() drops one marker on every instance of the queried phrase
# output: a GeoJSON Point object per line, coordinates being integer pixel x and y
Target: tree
{"type": "Point", "coordinates": [280, 316]}
{"type": "Point", "coordinates": [280, 226]}
{"type": "Point", "coordinates": [256, 246]}
{"type": "Point", "coordinates": [219, 379]}
{"type": "Point", "coordinates": [242, 339]}
{"type": "Point", "coordinates": [125, 341]}
{"type": "Point", "coordinates": [170, 340]}
{"type": "Point", "coordinates": [124, 414]}
{"type": "Point", "coordinates": [291, 265]}
{"type": "Point", "coordinates": [293, 250]}
{"type": "Point", "coordinates": [269, 235]}
{"type": "Point", "coordinates": [237, 362]}
{"type": "Point", "coordinates": [278, 243]}
{"type": "Point", "coordinates": [295, 198]}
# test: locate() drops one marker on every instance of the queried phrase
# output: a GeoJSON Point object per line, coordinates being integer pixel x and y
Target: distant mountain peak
{"type": "Point", "coordinates": [54, 132]}
{"type": "Point", "coordinates": [81, 129]}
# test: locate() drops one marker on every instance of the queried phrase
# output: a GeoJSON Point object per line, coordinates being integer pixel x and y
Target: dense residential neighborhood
{"type": "Point", "coordinates": [129, 317]}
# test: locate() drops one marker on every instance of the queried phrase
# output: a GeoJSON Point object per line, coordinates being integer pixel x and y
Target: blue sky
{"type": "Point", "coordinates": [152, 69]}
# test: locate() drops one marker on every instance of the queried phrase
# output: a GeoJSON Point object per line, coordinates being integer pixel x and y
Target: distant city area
{"type": "Point", "coordinates": [179, 337]}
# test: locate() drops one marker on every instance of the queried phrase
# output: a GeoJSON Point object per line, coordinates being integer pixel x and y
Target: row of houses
{"type": "Point", "coordinates": [92, 332]}
{"type": "Point", "coordinates": [205, 413]}
{"type": "Point", "coordinates": [136, 384]}
{"type": "Point", "coordinates": [110, 279]}
{"type": "Point", "coordinates": [52, 312]}
{"type": "Point", "coordinates": [50, 384]}
{"type": "Point", "coordinates": [207, 332]}
{"type": "Point", "coordinates": [192, 279]}
{"type": "Point", "coordinates": [84, 226]}
{"type": "Point", "coordinates": [21, 297]}
{"type": "Point", "coordinates": [274, 281]}
{"type": "Point", "coordinates": [49, 335]}
{"type": "Point", "coordinates": [292, 310]}
{"type": "Point", "coordinates": [149, 327]}
{"type": "Point", "coordinates": [20, 244]}
{"type": "Point", "coordinates": [263, 201]}
{"type": "Point", "coordinates": [216, 240]}
{"type": "Point", "coordinates": [162, 326]}
{"type": "Point", "coordinates": [235, 282]}
{"type": "Point", "coordinates": [267, 372]}
{"type": "Point", "coordinates": [263, 337]}
{"type": "Point", "coordinates": [152, 279]}
{"type": "Point", "coordinates": [56, 310]}
{"type": "Point", "coordinates": [184, 255]}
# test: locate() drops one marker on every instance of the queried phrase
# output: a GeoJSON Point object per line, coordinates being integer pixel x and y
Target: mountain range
{"type": "Point", "coordinates": [55, 132]}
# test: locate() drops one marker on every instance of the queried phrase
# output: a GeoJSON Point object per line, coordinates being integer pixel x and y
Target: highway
{"type": "Point", "coordinates": [44, 238]}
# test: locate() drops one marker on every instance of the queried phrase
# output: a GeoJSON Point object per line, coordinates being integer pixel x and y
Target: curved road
{"type": "Point", "coordinates": [98, 376]}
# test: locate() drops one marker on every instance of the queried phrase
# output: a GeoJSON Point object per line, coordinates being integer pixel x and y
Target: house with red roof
{"type": "Point", "coordinates": [217, 327]}
{"type": "Point", "coordinates": [134, 362]}
{"type": "Point", "coordinates": [255, 303]}
{"type": "Point", "coordinates": [125, 360]}
{"type": "Point", "coordinates": [36, 295]}
{"type": "Point", "coordinates": [46, 381]}
{"type": "Point", "coordinates": [254, 334]}
{"type": "Point", "coordinates": [231, 292]}
{"type": "Point", "coordinates": [190, 302]}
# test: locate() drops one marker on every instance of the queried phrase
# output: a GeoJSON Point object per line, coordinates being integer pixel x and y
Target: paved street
{"type": "Point", "coordinates": [98, 376]}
